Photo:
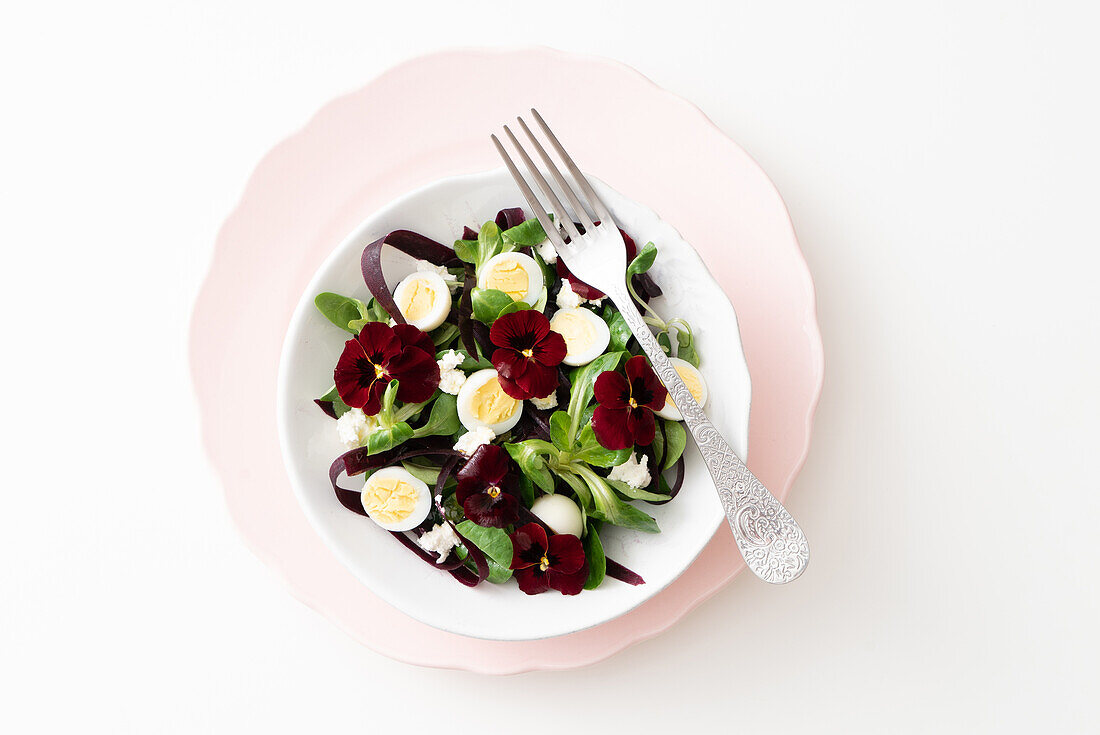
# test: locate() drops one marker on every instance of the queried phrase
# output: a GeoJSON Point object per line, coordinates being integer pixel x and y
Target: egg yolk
{"type": "Point", "coordinates": [510, 277]}
{"type": "Point", "coordinates": [491, 404]}
{"type": "Point", "coordinates": [577, 331]}
{"type": "Point", "coordinates": [691, 380]}
{"type": "Point", "coordinates": [419, 298]}
{"type": "Point", "coordinates": [389, 499]}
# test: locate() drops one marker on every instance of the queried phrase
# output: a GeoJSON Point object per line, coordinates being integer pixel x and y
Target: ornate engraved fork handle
{"type": "Point", "coordinates": [772, 544]}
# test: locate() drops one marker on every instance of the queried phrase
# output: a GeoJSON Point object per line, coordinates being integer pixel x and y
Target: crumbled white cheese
{"type": "Point", "coordinates": [441, 539]}
{"type": "Point", "coordinates": [471, 440]}
{"type": "Point", "coordinates": [570, 299]}
{"type": "Point", "coordinates": [450, 377]}
{"type": "Point", "coordinates": [423, 266]}
{"type": "Point", "coordinates": [544, 403]}
{"type": "Point", "coordinates": [354, 427]}
{"type": "Point", "coordinates": [451, 381]}
{"type": "Point", "coordinates": [450, 360]}
{"type": "Point", "coordinates": [567, 297]}
{"type": "Point", "coordinates": [632, 472]}
{"type": "Point", "coordinates": [547, 252]}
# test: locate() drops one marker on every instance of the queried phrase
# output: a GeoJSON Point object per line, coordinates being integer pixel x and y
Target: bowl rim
{"type": "Point", "coordinates": [305, 306]}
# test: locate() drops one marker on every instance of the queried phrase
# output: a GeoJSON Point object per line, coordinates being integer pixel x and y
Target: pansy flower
{"type": "Point", "coordinates": [625, 417]}
{"type": "Point", "coordinates": [488, 488]}
{"type": "Point", "coordinates": [527, 355]}
{"type": "Point", "coordinates": [381, 353]}
{"type": "Point", "coordinates": [542, 563]}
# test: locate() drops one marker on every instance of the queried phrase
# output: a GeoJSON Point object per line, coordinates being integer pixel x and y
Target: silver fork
{"type": "Point", "coordinates": [772, 544]}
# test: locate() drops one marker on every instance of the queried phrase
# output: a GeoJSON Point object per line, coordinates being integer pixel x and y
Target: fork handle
{"type": "Point", "coordinates": [769, 539]}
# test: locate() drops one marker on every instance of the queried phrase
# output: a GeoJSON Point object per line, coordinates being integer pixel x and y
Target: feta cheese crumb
{"type": "Point", "coordinates": [423, 266]}
{"type": "Point", "coordinates": [471, 440]}
{"type": "Point", "coordinates": [441, 539]}
{"type": "Point", "coordinates": [450, 360]}
{"type": "Point", "coordinates": [567, 297]}
{"type": "Point", "coordinates": [354, 427]}
{"type": "Point", "coordinates": [547, 252]}
{"type": "Point", "coordinates": [632, 472]}
{"type": "Point", "coordinates": [544, 403]}
{"type": "Point", "coordinates": [450, 377]}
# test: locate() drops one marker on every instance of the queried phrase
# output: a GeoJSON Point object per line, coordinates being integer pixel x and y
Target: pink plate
{"type": "Point", "coordinates": [395, 134]}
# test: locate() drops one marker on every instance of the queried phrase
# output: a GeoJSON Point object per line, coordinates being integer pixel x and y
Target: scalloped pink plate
{"type": "Point", "coordinates": [365, 149]}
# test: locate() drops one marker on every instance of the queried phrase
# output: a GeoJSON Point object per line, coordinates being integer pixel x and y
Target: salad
{"type": "Point", "coordinates": [500, 411]}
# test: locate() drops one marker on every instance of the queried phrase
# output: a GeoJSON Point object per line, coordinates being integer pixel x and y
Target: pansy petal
{"type": "Point", "coordinates": [411, 336]}
{"type": "Point", "coordinates": [550, 350]}
{"type": "Point", "coordinates": [353, 374]}
{"type": "Point", "coordinates": [485, 510]}
{"type": "Point", "coordinates": [568, 584]}
{"type": "Point", "coordinates": [565, 552]}
{"type": "Point", "coordinates": [528, 545]}
{"type": "Point", "coordinates": [538, 381]}
{"type": "Point", "coordinates": [377, 340]}
{"type": "Point", "coordinates": [609, 425]}
{"type": "Point", "coordinates": [488, 465]}
{"type": "Point", "coordinates": [611, 389]}
{"type": "Point", "coordinates": [642, 426]}
{"type": "Point", "coordinates": [526, 327]}
{"type": "Point", "coordinates": [532, 580]}
{"type": "Point", "coordinates": [418, 373]}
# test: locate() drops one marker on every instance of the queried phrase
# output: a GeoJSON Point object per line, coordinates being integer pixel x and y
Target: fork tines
{"type": "Point", "coordinates": [562, 215]}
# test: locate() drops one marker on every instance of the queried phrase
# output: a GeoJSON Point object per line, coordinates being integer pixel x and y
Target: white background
{"type": "Point", "coordinates": [940, 161]}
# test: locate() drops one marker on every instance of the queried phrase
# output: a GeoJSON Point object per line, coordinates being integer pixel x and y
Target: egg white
{"type": "Point", "coordinates": [465, 400]}
{"type": "Point", "coordinates": [669, 410]}
{"type": "Point", "coordinates": [441, 305]}
{"type": "Point", "coordinates": [527, 263]}
{"type": "Point", "coordinates": [423, 498]}
{"type": "Point", "coordinates": [600, 339]}
{"type": "Point", "coordinates": [560, 513]}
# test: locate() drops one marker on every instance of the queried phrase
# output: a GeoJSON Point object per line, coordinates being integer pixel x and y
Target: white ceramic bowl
{"type": "Point", "coordinates": [501, 612]}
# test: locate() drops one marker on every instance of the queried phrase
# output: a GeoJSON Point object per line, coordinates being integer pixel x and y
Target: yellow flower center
{"type": "Point", "coordinates": [378, 371]}
{"type": "Point", "coordinates": [493, 491]}
{"type": "Point", "coordinates": [633, 403]}
{"type": "Point", "coordinates": [528, 353]}
{"type": "Point", "coordinates": [544, 564]}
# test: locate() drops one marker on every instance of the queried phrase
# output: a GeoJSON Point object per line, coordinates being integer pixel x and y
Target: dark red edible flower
{"type": "Point", "coordinates": [488, 488]}
{"type": "Point", "coordinates": [542, 563]}
{"type": "Point", "coordinates": [381, 353]}
{"type": "Point", "coordinates": [581, 288]}
{"type": "Point", "coordinates": [527, 354]}
{"type": "Point", "coordinates": [625, 414]}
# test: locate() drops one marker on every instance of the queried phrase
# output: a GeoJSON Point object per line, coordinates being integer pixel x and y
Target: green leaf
{"type": "Point", "coordinates": [468, 363]}
{"type": "Point", "coordinates": [493, 541]}
{"type": "Point", "coordinates": [383, 440]}
{"type": "Point", "coordinates": [427, 475]}
{"type": "Point", "coordinates": [616, 324]}
{"type": "Point", "coordinates": [489, 241]}
{"type": "Point", "coordinates": [635, 493]}
{"type": "Point", "coordinates": [527, 456]}
{"type": "Point", "coordinates": [597, 562]}
{"type": "Point", "coordinates": [497, 573]}
{"type": "Point", "coordinates": [443, 420]}
{"type": "Point", "coordinates": [444, 334]}
{"type": "Point", "coordinates": [609, 507]}
{"type": "Point", "coordinates": [467, 250]}
{"type": "Point", "coordinates": [342, 310]}
{"type": "Point", "coordinates": [594, 453]}
{"type": "Point", "coordinates": [488, 303]}
{"type": "Point", "coordinates": [338, 405]}
{"type": "Point", "coordinates": [559, 430]}
{"type": "Point", "coordinates": [526, 490]}
{"type": "Point", "coordinates": [514, 307]}
{"type": "Point", "coordinates": [675, 441]}
{"type": "Point", "coordinates": [528, 233]}
{"type": "Point", "coordinates": [658, 443]}
{"type": "Point", "coordinates": [583, 378]}
{"type": "Point", "coordinates": [643, 261]}
{"type": "Point", "coordinates": [685, 347]}
{"type": "Point", "coordinates": [665, 342]}
{"type": "Point", "coordinates": [376, 312]}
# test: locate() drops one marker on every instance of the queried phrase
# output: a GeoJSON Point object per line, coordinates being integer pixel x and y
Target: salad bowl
{"type": "Point", "coordinates": [309, 441]}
